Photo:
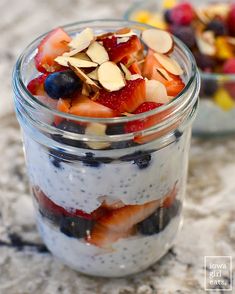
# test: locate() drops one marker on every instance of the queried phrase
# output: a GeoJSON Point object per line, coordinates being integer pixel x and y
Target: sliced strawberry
{"type": "Point", "coordinates": [125, 100]}
{"type": "Point", "coordinates": [53, 45]}
{"type": "Point", "coordinates": [36, 86]}
{"type": "Point", "coordinates": [173, 87]}
{"type": "Point", "coordinates": [63, 105]}
{"type": "Point", "coordinates": [83, 106]}
{"type": "Point", "coordinates": [138, 125]}
{"type": "Point", "coordinates": [120, 222]}
{"type": "Point", "coordinates": [46, 204]}
{"type": "Point", "coordinates": [134, 68]}
{"type": "Point", "coordinates": [117, 51]}
{"type": "Point", "coordinates": [170, 197]}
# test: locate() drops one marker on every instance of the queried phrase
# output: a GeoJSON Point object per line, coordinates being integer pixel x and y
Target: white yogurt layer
{"type": "Point", "coordinates": [77, 186]}
{"type": "Point", "coordinates": [130, 255]}
{"type": "Point", "coordinates": [212, 119]}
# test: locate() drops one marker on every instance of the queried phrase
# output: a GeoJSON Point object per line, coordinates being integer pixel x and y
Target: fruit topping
{"type": "Point", "coordinates": [110, 76]}
{"type": "Point", "coordinates": [231, 20]}
{"type": "Point", "coordinates": [125, 100]}
{"type": "Point", "coordinates": [62, 84]}
{"type": "Point", "coordinates": [80, 42]}
{"type": "Point", "coordinates": [157, 40]}
{"type": "Point", "coordinates": [186, 34]}
{"type": "Point", "coordinates": [117, 51]}
{"type": "Point", "coordinates": [36, 86]}
{"type": "Point", "coordinates": [83, 106]}
{"type": "Point", "coordinates": [182, 14]}
{"type": "Point", "coordinates": [229, 66]}
{"type": "Point", "coordinates": [53, 45]}
{"type": "Point", "coordinates": [217, 26]}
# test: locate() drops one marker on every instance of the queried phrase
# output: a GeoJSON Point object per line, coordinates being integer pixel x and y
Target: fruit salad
{"type": "Point", "coordinates": [107, 207]}
{"type": "Point", "coordinates": [208, 31]}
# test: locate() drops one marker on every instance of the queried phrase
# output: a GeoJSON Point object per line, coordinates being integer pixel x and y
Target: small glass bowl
{"type": "Point", "coordinates": [216, 115]}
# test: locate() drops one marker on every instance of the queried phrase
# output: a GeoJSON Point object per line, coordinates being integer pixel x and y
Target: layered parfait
{"type": "Point", "coordinates": [208, 29]}
{"type": "Point", "coordinates": [110, 208]}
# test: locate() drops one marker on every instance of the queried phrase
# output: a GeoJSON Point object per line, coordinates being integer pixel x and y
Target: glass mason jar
{"type": "Point", "coordinates": [111, 204]}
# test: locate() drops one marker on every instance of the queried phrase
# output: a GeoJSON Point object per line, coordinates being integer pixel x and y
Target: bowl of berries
{"type": "Point", "coordinates": [208, 29]}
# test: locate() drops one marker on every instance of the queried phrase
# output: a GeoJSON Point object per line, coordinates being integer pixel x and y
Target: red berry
{"type": "Point", "coordinates": [53, 45]}
{"type": "Point", "coordinates": [139, 125]}
{"type": "Point", "coordinates": [182, 14]}
{"type": "Point", "coordinates": [147, 106]}
{"type": "Point", "coordinates": [36, 86]}
{"type": "Point", "coordinates": [117, 51]}
{"type": "Point", "coordinates": [125, 100]}
{"type": "Point", "coordinates": [229, 66]}
{"type": "Point", "coordinates": [231, 20]}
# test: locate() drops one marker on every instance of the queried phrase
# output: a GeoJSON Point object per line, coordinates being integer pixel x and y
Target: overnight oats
{"type": "Point", "coordinates": [208, 29]}
{"type": "Point", "coordinates": [106, 109]}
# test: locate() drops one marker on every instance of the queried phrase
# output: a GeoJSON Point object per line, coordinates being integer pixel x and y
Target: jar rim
{"type": "Point", "coordinates": [18, 83]}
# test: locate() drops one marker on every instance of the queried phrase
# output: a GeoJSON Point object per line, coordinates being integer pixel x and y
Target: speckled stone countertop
{"type": "Point", "coordinates": [25, 264]}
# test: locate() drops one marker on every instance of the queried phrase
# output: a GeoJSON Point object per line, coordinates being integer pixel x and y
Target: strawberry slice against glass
{"type": "Point", "coordinates": [52, 46]}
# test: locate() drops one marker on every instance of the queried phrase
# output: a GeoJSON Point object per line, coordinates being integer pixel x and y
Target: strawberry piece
{"type": "Point", "coordinates": [170, 198]}
{"type": "Point", "coordinates": [63, 105]}
{"type": "Point", "coordinates": [182, 14]}
{"type": "Point", "coordinates": [46, 204]}
{"type": "Point", "coordinates": [229, 66]}
{"type": "Point", "coordinates": [117, 51]}
{"type": "Point", "coordinates": [134, 68]}
{"type": "Point", "coordinates": [119, 223]}
{"type": "Point", "coordinates": [231, 20]}
{"type": "Point", "coordinates": [173, 87]}
{"type": "Point", "coordinates": [53, 45]}
{"type": "Point", "coordinates": [36, 86]}
{"type": "Point", "coordinates": [125, 100]}
{"type": "Point", "coordinates": [83, 106]}
{"type": "Point", "coordinates": [138, 125]}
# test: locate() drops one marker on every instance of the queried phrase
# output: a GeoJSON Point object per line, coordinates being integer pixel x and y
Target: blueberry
{"type": "Point", "coordinates": [208, 88]}
{"type": "Point", "coordinates": [217, 26]}
{"type": "Point", "coordinates": [177, 134]}
{"type": "Point", "coordinates": [69, 126]}
{"type": "Point", "coordinates": [158, 221]}
{"type": "Point", "coordinates": [58, 156]}
{"type": "Point", "coordinates": [167, 16]}
{"type": "Point", "coordinates": [204, 62]}
{"type": "Point", "coordinates": [143, 161]}
{"type": "Point", "coordinates": [186, 34]}
{"type": "Point", "coordinates": [90, 160]}
{"type": "Point", "coordinates": [76, 227]}
{"type": "Point", "coordinates": [62, 84]}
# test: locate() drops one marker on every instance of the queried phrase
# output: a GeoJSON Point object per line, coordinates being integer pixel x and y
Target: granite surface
{"type": "Point", "coordinates": [25, 264]}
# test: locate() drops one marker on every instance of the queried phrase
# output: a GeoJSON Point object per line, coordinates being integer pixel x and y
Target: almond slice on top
{"type": "Point", "coordinates": [84, 77]}
{"type": "Point", "coordinates": [157, 40]}
{"type": "Point", "coordinates": [206, 43]}
{"type": "Point", "coordinates": [110, 76]}
{"type": "Point", "coordinates": [170, 64]}
{"type": "Point", "coordinates": [64, 60]}
{"type": "Point", "coordinates": [82, 40]}
{"type": "Point", "coordinates": [126, 71]}
{"type": "Point", "coordinates": [156, 92]}
{"type": "Point", "coordinates": [97, 53]}
{"type": "Point", "coordinates": [94, 74]}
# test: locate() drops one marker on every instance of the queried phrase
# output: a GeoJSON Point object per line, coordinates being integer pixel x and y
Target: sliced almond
{"type": "Point", "coordinates": [82, 40]}
{"type": "Point", "coordinates": [86, 89]}
{"type": "Point", "coordinates": [80, 55]}
{"type": "Point", "coordinates": [63, 60]}
{"type": "Point", "coordinates": [156, 92]}
{"type": "Point", "coordinates": [206, 43]}
{"type": "Point", "coordinates": [136, 77]}
{"type": "Point", "coordinates": [94, 74]}
{"type": "Point", "coordinates": [159, 41]}
{"type": "Point", "coordinates": [123, 40]}
{"type": "Point", "coordinates": [126, 71]}
{"type": "Point", "coordinates": [164, 74]}
{"type": "Point", "coordinates": [217, 9]}
{"type": "Point", "coordinates": [202, 15]}
{"type": "Point", "coordinates": [99, 130]}
{"type": "Point", "coordinates": [97, 53]}
{"type": "Point", "coordinates": [170, 64]}
{"type": "Point", "coordinates": [84, 77]}
{"type": "Point", "coordinates": [110, 76]}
